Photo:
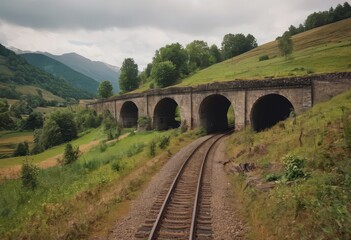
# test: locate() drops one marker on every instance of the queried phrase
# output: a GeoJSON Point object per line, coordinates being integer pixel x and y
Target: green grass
{"type": "Point", "coordinates": [31, 90]}
{"type": "Point", "coordinates": [93, 135]}
{"type": "Point", "coordinates": [64, 190]}
{"type": "Point", "coordinates": [321, 50]}
{"type": "Point", "coordinates": [326, 49]}
{"type": "Point", "coordinates": [10, 139]}
{"type": "Point", "coordinates": [314, 208]}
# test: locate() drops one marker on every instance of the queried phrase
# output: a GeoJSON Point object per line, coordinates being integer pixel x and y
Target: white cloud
{"type": "Point", "coordinates": [111, 30]}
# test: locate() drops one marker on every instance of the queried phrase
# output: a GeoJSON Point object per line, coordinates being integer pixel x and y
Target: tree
{"type": "Point", "coordinates": [164, 73]}
{"type": "Point", "coordinates": [22, 149]}
{"type": "Point", "coordinates": [4, 106]}
{"type": "Point", "coordinates": [199, 55]}
{"type": "Point", "coordinates": [128, 78]}
{"type": "Point", "coordinates": [35, 120]}
{"type": "Point", "coordinates": [285, 44]}
{"type": "Point", "coordinates": [177, 55]}
{"type": "Point", "coordinates": [235, 44]}
{"type": "Point", "coordinates": [105, 89]}
{"type": "Point", "coordinates": [215, 54]}
{"type": "Point", "coordinates": [70, 155]}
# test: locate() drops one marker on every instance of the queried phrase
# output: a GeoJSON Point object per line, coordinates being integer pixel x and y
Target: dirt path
{"type": "Point", "coordinates": [13, 172]}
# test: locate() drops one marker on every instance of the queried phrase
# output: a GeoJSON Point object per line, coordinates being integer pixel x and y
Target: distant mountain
{"type": "Point", "coordinates": [60, 70]}
{"type": "Point", "coordinates": [15, 70]}
{"type": "Point", "coordinates": [98, 71]}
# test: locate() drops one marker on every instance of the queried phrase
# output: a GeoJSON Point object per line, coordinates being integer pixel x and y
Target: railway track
{"type": "Point", "coordinates": [183, 211]}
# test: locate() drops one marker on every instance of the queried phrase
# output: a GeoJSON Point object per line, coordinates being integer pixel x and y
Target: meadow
{"type": "Point", "coordinates": [321, 50]}
{"type": "Point", "coordinates": [83, 192]}
{"type": "Point", "coordinates": [315, 150]}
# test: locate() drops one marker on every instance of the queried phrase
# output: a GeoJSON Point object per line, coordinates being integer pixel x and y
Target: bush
{"type": "Point", "coordinates": [135, 149]}
{"type": "Point", "coordinates": [111, 128]}
{"type": "Point", "coordinates": [22, 149]}
{"type": "Point", "coordinates": [263, 58]}
{"type": "Point", "coordinates": [201, 131]}
{"type": "Point", "coordinates": [144, 122]}
{"type": "Point", "coordinates": [29, 175]}
{"type": "Point", "coordinates": [294, 167]}
{"type": "Point", "coordinates": [70, 154]}
{"type": "Point", "coordinates": [116, 166]}
{"type": "Point", "coordinates": [152, 149]}
{"type": "Point", "coordinates": [164, 142]}
{"type": "Point", "coordinates": [102, 146]}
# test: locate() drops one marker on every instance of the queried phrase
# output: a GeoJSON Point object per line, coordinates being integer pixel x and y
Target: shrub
{"type": "Point", "coordinates": [102, 146]}
{"type": "Point", "coordinates": [29, 175]}
{"type": "Point", "coordinates": [152, 149]}
{"type": "Point", "coordinates": [22, 149]}
{"type": "Point", "coordinates": [135, 149]}
{"type": "Point", "coordinates": [272, 177]}
{"type": "Point", "coordinates": [164, 142]}
{"type": "Point", "coordinates": [70, 154]}
{"type": "Point", "coordinates": [201, 131]}
{"type": "Point", "coordinates": [263, 57]}
{"type": "Point", "coordinates": [294, 167]}
{"type": "Point", "coordinates": [144, 122]}
{"type": "Point", "coordinates": [116, 166]}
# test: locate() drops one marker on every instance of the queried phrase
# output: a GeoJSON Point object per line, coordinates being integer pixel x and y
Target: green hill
{"type": "Point", "coordinates": [15, 70]}
{"type": "Point", "coordinates": [321, 50]}
{"type": "Point", "coordinates": [60, 70]}
{"type": "Point", "coordinates": [98, 71]}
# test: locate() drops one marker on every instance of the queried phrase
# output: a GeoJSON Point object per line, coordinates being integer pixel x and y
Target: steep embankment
{"type": "Point", "coordinates": [297, 178]}
{"type": "Point", "coordinates": [321, 50]}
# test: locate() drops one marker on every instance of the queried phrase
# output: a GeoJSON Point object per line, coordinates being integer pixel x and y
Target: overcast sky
{"type": "Point", "coordinates": [112, 30]}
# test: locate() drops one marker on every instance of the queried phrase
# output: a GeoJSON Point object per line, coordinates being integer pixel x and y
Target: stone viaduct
{"type": "Point", "coordinates": [259, 103]}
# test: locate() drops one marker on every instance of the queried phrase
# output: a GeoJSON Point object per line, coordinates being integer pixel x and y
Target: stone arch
{"type": "Point", "coordinates": [269, 110]}
{"type": "Point", "coordinates": [165, 113]}
{"type": "Point", "coordinates": [213, 113]}
{"type": "Point", "coordinates": [129, 114]}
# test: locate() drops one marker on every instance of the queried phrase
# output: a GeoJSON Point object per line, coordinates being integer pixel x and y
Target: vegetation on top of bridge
{"type": "Point", "coordinates": [234, 85]}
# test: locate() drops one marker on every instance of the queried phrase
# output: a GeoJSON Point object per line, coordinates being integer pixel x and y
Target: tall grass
{"type": "Point", "coordinates": [34, 212]}
{"type": "Point", "coordinates": [313, 207]}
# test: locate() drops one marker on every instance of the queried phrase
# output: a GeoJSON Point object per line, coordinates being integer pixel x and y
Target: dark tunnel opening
{"type": "Point", "coordinates": [129, 115]}
{"type": "Point", "coordinates": [214, 113]}
{"type": "Point", "coordinates": [269, 110]}
{"type": "Point", "coordinates": [165, 114]}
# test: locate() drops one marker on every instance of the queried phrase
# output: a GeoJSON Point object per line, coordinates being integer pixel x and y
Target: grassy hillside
{"type": "Point", "coordinates": [14, 70]}
{"type": "Point", "coordinates": [60, 70]}
{"type": "Point", "coordinates": [300, 188]}
{"type": "Point", "coordinates": [84, 192]}
{"type": "Point", "coordinates": [321, 50]}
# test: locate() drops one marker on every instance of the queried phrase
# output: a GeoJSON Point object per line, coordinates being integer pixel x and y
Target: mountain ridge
{"type": "Point", "coordinates": [60, 70]}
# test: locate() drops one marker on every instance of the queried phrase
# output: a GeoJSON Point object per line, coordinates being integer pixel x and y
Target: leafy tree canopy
{"type": "Point", "coordinates": [176, 54]}
{"type": "Point", "coordinates": [285, 44]}
{"type": "Point", "coordinates": [164, 73]}
{"type": "Point", "coordinates": [235, 44]}
{"type": "Point", "coordinates": [199, 54]}
{"type": "Point", "coordinates": [128, 78]}
{"type": "Point", "coordinates": [105, 89]}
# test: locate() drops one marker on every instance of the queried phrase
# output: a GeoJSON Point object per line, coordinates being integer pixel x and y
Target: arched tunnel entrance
{"type": "Point", "coordinates": [214, 113]}
{"type": "Point", "coordinates": [129, 115]}
{"type": "Point", "coordinates": [166, 114]}
{"type": "Point", "coordinates": [268, 110]}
